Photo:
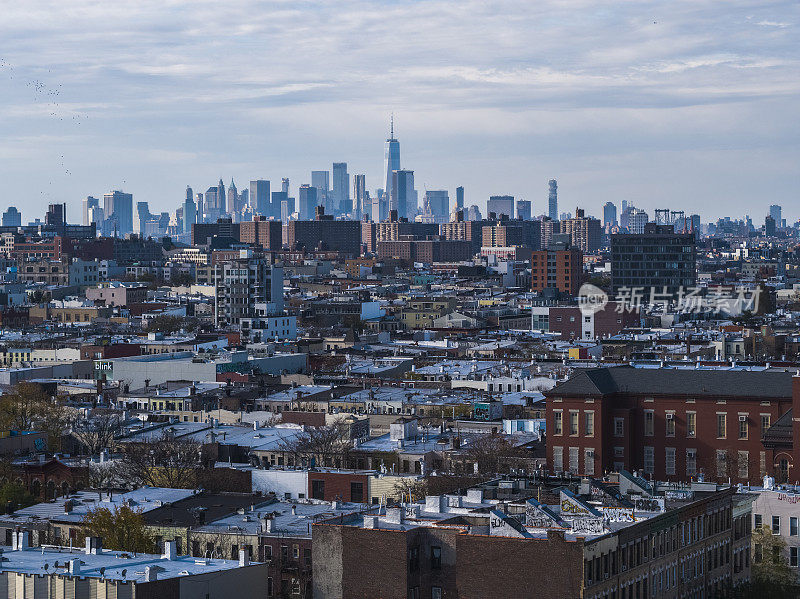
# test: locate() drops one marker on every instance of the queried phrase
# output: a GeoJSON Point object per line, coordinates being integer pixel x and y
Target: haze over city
{"type": "Point", "coordinates": [690, 105]}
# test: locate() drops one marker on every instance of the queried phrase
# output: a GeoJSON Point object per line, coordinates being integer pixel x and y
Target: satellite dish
{"type": "Point", "coordinates": [46, 566]}
{"type": "Point", "coordinates": [102, 571]}
{"type": "Point", "coordinates": [124, 572]}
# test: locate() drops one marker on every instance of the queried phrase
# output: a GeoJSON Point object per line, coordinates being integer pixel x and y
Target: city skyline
{"type": "Point", "coordinates": [652, 108]}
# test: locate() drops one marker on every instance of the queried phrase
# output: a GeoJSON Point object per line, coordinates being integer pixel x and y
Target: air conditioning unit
{"type": "Point", "coordinates": [691, 454]}
{"type": "Point", "coordinates": [670, 416]}
{"type": "Point", "coordinates": [742, 418]}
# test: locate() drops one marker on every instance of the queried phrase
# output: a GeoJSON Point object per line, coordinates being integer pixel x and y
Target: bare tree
{"type": "Point", "coordinates": [98, 431]}
{"type": "Point", "coordinates": [163, 462]}
{"type": "Point", "coordinates": [321, 444]}
{"type": "Point", "coordinates": [29, 408]}
{"type": "Point", "coordinates": [489, 451]}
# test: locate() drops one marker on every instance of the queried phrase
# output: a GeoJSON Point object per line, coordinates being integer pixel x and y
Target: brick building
{"type": "Point", "coordinates": [560, 269]}
{"type": "Point", "coordinates": [671, 424]}
{"type": "Point", "coordinates": [325, 233]}
{"type": "Point", "coordinates": [260, 231]}
{"type": "Point", "coordinates": [571, 323]}
{"type": "Point", "coordinates": [468, 547]}
{"type": "Point", "coordinates": [426, 251]}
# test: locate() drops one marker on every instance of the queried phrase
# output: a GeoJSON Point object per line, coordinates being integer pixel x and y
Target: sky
{"type": "Point", "coordinates": [688, 105]}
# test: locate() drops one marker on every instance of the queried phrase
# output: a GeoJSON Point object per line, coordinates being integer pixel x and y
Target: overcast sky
{"type": "Point", "coordinates": [687, 105]}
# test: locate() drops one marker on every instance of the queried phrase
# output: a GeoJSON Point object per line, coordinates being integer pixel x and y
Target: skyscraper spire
{"type": "Point", "coordinates": [391, 126]}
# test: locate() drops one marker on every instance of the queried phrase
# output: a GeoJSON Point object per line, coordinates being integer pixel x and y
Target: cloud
{"type": "Point", "coordinates": [280, 87]}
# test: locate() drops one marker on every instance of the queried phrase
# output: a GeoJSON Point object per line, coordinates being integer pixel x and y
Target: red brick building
{"type": "Point", "coordinates": [571, 323]}
{"type": "Point", "coordinates": [338, 486]}
{"type": "Point", "coordinates": [670, 424]}
{"type": "Point", "coordinates": [260, 231]}
{"type": "Point", "coordinates": [557, 269]}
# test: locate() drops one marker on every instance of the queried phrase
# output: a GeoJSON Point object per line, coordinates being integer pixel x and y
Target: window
{"type": "Point", "coordinates": [356, 492]}
{"type": "Point", "coordinates": [318, 489]}
{"type": "Point", "coordinates": [573, 459]}
{"type": "Point", "coordinates": [413, 559]}
{"type": "Point", "coordinates": [573, 423]}
{"type": "Point", "coordinates": [722, 463]}
{"type": "Point", "coordinates": [557, 422]}
{"type": "Point", "coordinates": [648, 423]}
{"type": "Point", "coordinates": [742, 426]}
{"type": "Point", "coordinates": [722, 421]}
{"type": "Point", "coordinates": [649, 460]}
{"type": "Point", "coordinates": [436, 558]}
{"type": "Point", "coordinates": [759, 521]}
{"type": "Point", "coordinates": [619, 427]}
{"type": "Point", "coordinates": [691, 462]}
{"type": "Point", "coordinates": [670, 461]}
{"type": "Point", "coordinates": [793, 557]}
{"type": "Point", "coordinates": [776, 525]}
{"type": "Point", "coordinates": [765, 422]}
{"type": "Point", "coordinates": [436, 592]}
{"type": "Point", "coordinates": [793, 526]}
{"type": "Point", "coordinates": [589, 424]}
{"type": "Point", "coordinates": [670, 426]}
{"type": "Point", "coordinates": [744, 460]}
{"type": "Point", "coordinates": [588, 461]}
{"type": "Point", "coordinates": [558, 459]}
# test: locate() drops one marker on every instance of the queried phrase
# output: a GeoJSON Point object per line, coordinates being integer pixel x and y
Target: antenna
{"type": "Point", "coordinates": [391, 127]}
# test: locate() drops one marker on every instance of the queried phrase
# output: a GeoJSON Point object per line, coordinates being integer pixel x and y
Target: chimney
{"type": "Point", "coordinates": [170, 551]}
{"type": "Point", "coordinates": [255, 425]}
{"type": "Point", "coordinates": [94, 546]}
{"type": "Point", "coordinates": [23, 540]}
{"type": "Point", "coordinates": [150, 573]}
{"type": "Point", "coordinates": [244, 558]}
{"type": "Point", "coordinates": [371, 521]}
{"type": "Point", "coordinates": [395, 515]}
{"type": "Point", "coordinates": [75, 566]}
{"type": "Point", "coordinates": [294, 510]}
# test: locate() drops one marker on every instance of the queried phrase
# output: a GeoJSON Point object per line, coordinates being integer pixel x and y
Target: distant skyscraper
{"type": "Point", "coordinates": [56, 215]}
{"type": "Point", "coordinates": [775, 213]}
{"type": "Point", "coordinates": [198, 203]}
{"type": "Point", "coordinates": [524, 209]}
{"type": "Point", "coordinates": [12, 217]}
{"type": "Point", "coordinates": [552, 200]}
{"type": "Point", "coordinates": [459, 198]}
{"type": "Point", "coordinates": [89, 202]}
{"type": "Point", "coordinates": [277, 198]}
{"type": "Point", "coordinates": [140, 217]}
{"type": "Point", "coordinates": [341, 189]}
{"type": "Point", "coordinates": [391, 159]}
{"type": "Point", "coordinates": [221, 198]}
{"type": "Point", "coordinates": [189, 211]}
{"type": "Point", "coordinates": [438, 202]}
{"type": "Point", "coordinates": [473, 213]}
{"type": "Point", "coordinates": [402, 197]}
{"type": "Point", "coordinates": [769, 226]}
{"type": "Point", "coordinates": [637, 220]}
{"type": "Point", "coordinates": [285, 186]}
{"type": "Point", "coordinates": [118, 207]}
{"type": "Point", "coordinates": [308, 202]}
{"type": "Point", "coordinates": [609, 214]}
{"type": "Point", "coordinates": [321, 181]}
{"type": "Point", "coordinates": [260, 198]}
{"type": "Point", "coordinates": [501, 205]}
{"type": "Point", "coordinates": [233, 198]}
{"type": "Point", "coordinates": [360, 195]}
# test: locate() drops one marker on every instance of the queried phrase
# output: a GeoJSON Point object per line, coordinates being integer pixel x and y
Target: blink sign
{"type": "Point", "coordinates": [103, 369]}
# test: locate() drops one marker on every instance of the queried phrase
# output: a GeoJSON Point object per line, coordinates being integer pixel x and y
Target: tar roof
{"type": "Point", "coordinates": [113, 565]}
{"type": "Point", "coordinates": [666, 381]}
